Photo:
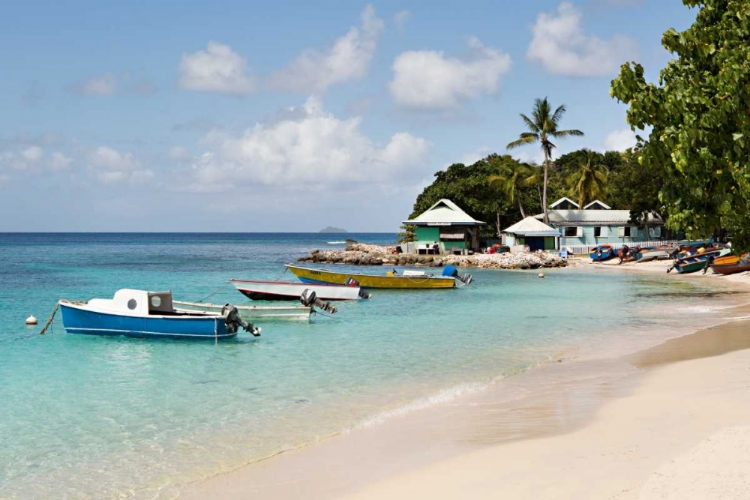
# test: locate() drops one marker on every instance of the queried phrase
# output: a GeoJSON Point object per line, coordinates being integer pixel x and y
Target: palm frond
{"type": "Point", "coordinates": [533, 127]}
{"type": "Point", "coordinates": [558, 114]}
{"type": "Point", "coordinates": [522, 141]}
{"type": "Point", "coordinates": [566, 133]}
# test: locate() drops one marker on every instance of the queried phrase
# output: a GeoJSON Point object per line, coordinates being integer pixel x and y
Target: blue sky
{"type": "Point", "coordinates": [290, 116]}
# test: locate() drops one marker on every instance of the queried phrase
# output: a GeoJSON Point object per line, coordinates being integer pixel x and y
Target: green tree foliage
{"type": "Point", "coordinates": [510, 181]}
{"type": "Point", "coordinates": [542, 128]}
{"type": "Point", "coordinates": [467, 186]}
{"type": "Point", "coordinates": [588, 179]}
{"type": "Point", "coordinates": [699, 119]}
{"type": "Point", "coordinates": [636, 188]}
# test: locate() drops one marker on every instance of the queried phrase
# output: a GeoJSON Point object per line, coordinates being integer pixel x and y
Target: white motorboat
{"type": "Point", "coordinates": [251, 312]}
{"type": "Point", "coordinates": [287, 290]}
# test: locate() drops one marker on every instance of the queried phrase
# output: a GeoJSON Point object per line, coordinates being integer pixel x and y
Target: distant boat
{"type": "Point", "coordinates": [249, 313]}
{"type": "Point", "coordinates": [602, 253]}
{"type": "Point", "coordinates": [287, 290]}
{"type": "Point", "coordinates": [138, 313]}
{"type": "Point", "coordinates": [390, 280]}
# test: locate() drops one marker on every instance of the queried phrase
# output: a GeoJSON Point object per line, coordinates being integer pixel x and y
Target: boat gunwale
{"type": "Point", "coordinates": [295, 283]}
{"type": "Point", "coordinates": [197, 315]}
{"type": "Point", "coordinates": [353, 275]}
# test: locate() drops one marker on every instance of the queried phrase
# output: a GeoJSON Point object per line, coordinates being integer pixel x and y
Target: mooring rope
{"type": "Point", "coordinates": [214, 292]}
{"type": "Point", "coordinates": [51, 318]}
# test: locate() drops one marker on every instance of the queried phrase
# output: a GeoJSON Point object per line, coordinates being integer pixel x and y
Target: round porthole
{"type": "Point", "coordinates": [156, 301]}
{"type": "Point", "coordinates": [132, 304]}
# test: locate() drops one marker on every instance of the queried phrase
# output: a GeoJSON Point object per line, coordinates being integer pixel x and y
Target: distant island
{"type": "Point", "coordinates": [331, 229]}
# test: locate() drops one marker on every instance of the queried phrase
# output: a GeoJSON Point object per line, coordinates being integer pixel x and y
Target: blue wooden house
{"type": "Point", "coordinates": [598, 224]}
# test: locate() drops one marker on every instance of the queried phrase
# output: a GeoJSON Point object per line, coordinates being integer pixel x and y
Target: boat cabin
{"type": "Point", "coordinates": [444, 228]}
{"type": "Point", "coordinates": [136, 303]}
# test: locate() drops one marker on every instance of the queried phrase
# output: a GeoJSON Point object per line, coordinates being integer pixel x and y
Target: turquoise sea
{"type": "Point", "coordinates": [89, 417]}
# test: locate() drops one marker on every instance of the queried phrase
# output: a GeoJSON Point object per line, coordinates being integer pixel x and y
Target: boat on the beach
{"type": "Point", "coordinates": [649, 254]}
{"type": "Point", "coordinates": [700, 260]}
{"type": "Point", "coordinates": [138, 313]}
{"type": "Point", "coordinates": [602, 253]}
{"type": "Point", "coordinates": [391, 280]}
{"type": "Point", "coordinates": [287, 290]}
{"type": "Point", "coordinates": [731, 264]}
{"type": "Point", "coordinates": [248, 313]}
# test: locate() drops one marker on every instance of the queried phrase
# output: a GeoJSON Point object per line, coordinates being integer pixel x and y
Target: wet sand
{"type": "Point", "coordinates": [597, 428]}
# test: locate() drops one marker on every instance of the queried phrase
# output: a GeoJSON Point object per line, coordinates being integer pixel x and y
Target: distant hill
{"type": "Point", "coordinates": [331, 229]}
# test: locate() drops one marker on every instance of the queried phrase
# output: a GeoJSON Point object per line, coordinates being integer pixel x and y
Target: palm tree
{"type": "Point", "coordinates": [512, 176]}
{"type": "Point", "coordinates": [542, 129]}
{"type": "Point", "coordinates": [588, 182]}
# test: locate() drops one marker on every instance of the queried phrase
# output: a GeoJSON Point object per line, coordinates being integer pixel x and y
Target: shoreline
{"type": "Point", "coordinates": [337, 465]}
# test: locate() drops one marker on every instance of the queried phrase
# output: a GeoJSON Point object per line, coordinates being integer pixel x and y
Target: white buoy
{"type": "Point", "coordinates": [541, 275]}
{"type": "Point", "coordinates": [31, 320]}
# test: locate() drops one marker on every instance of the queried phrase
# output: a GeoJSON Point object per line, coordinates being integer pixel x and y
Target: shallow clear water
{"type": "Point", "coordinates": [89, 417]}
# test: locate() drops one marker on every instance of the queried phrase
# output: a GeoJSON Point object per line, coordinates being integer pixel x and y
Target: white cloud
{"type": "Point", "coordinates": [620, 140]}
{"type": "Point", "coordinates": [561, 46]}
{"type": "Point", "coordinates": [427, 79]}
{"type": "Point", "coordinates": [112, 166]}
{"type": "Point", "coordinates": [105, 84]}
{"type": "Point", "coordinates": [32, 154]}
{"type": "Point", "coordinates": [400, 19]}
{"type": "Point", "coordinates": [314, 71]}
{"type": "Point", "coordinates": [530, 154]}
{"type": "Point", "coordinates": [217, 69]}
{"type": "Point", "coordinates": [310, 148]}
{"type": "Point", "coordinates": [59, 161]}
{"type": "Point", "coordinates": [178, 153]}
{"type": "Point", "coordinates": [471, 157]}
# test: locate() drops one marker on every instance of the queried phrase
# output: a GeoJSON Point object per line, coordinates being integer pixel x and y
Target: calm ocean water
{"type": "Point", "coordinates": [88, 417]}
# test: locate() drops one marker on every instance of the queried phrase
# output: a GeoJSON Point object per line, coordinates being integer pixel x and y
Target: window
{"type": "Point", "coordinates": [132, 304]}
{"type": "Point", "coordinates": [623, 232]}
{"type": "Point", "coordinates": [571, 232]}
{"type": "Point", "coordinates": [597, 232]}
{"type": "Point", "coordinates": [156, 301]}
{"type": "Point", "coordinates": [627, 232]}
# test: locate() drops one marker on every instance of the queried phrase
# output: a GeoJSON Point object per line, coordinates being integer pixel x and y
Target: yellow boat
{"type": "Point", "coordinates": [408, 280]}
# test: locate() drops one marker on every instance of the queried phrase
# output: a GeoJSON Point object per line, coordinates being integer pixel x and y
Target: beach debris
{"type": "Point", "coordinates": [31, 320]}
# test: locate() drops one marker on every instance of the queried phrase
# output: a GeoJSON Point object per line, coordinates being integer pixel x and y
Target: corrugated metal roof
{"type": "Point", "coordinates": [444, 213]}
{"type": "Point", "coordinates": [594, 217]}
{"type": "Point", "coordinates": [531, 227]}
{"type": "Point", "coordinates": [597, 202]}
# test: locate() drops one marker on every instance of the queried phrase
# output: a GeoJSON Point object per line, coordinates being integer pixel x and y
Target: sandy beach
{"type": "Point", "coordinates": [671, 421]}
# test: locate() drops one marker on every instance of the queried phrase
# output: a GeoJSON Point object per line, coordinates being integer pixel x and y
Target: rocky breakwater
{"type": "Point", "coordinates": [373, 255]}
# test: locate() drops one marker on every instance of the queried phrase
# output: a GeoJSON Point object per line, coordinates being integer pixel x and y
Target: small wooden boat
{"type": "Point", "coordinates": [299, 313]}
{"type": "Point", "coordinates": [391, 280]}
{"type": "Point", "coordinates": [287, 290]}
{"type": "Point", "coordinates": [649, 254]}
{"type": "Point", "coordinates": [602, 253]}
{"type": "Point", "coordinates": [698, 261]}
{"type": "Point", "coordinates": [138, 313]}
{"type": "Point", "coordinates": [731, 264]}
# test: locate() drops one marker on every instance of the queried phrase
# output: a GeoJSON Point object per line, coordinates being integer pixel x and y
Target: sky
{"type": "Point", "coordinates": [291, 116]}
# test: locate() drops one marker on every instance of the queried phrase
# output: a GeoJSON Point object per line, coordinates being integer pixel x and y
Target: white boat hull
{"type": "Point", "coordinates": [252, 313]}
{"type": "Point", "coordinates": [286, 290]}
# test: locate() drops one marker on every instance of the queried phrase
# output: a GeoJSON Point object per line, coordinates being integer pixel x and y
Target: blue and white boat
{"type": "Point", "coordinates": [138, 313]}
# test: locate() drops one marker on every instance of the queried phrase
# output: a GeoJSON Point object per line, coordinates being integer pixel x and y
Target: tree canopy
{"type": "Point", "coordinates": [698, 115]}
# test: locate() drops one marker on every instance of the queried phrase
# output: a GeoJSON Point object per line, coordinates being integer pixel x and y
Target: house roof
{"type": "Point", "coordinates": [531, 226]}
{"type": "Point", "coordinates": [563, 200]}
{"type": "Point", "coordinates": [597, 202]}
{"type": "Point", "coordinates": [594, 218]}
{"type": "Point", "coordinates": [444, 213]}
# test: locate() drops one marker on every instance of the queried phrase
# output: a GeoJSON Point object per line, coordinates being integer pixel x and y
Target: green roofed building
{"type": "Point", "coordinates": [445, 228]}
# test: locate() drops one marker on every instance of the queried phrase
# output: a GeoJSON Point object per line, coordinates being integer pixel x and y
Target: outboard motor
{"type": "Point", "coordinates": [309, 298]}
{"type": "Point", "coordinates": [234, 321]}
{"type": "Point", "coordinates": [353, 282]}
{"type": "Point", "coordinates": [466, 279]}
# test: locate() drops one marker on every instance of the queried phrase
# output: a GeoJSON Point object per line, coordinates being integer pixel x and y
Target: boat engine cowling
{"type": "Point", "coordinates": [353, 282]}
{"type": "Point", "coordinates": [234, 321]}
{"type": "Point", "coordinates": [310, 299]}
{"type": "Point", "coordinates": [466, 279]}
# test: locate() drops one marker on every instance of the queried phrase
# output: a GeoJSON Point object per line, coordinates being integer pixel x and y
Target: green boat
{"type": "Point", "coordinates": [697, 262]}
